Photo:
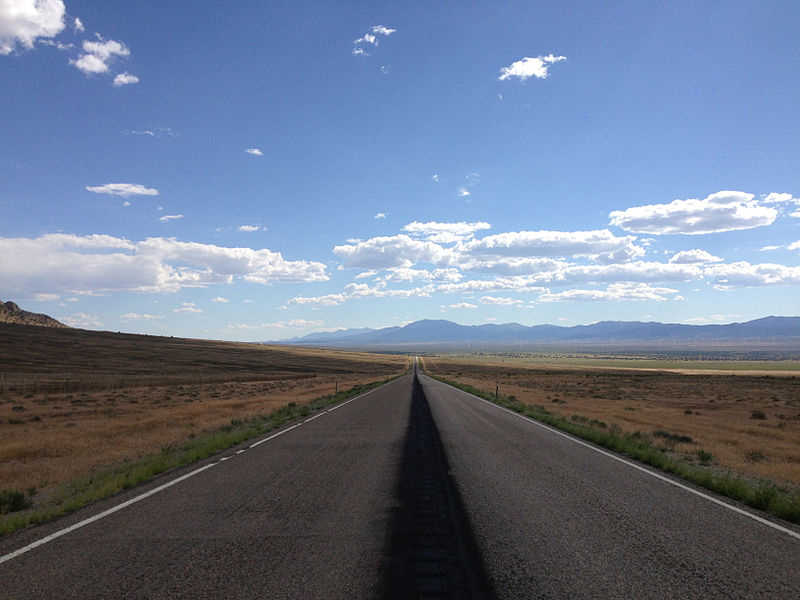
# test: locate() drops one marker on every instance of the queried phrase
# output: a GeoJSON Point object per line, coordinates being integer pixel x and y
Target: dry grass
{"type": "Point", "coordinates": [715, 410]}
{"type": "Point", "coordinates": [102, 398]}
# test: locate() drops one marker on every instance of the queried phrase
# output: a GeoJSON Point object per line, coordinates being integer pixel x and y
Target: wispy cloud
{"type": "Point", "coordinates": [538, 67]}
{"type": "Point", "coordinates": [82, 321]}
{"type": "Point", "coordinates": [77, 26]}
{"type": "Point", "coordinates": [220, 300]}
{"type": "Point", "coordinates": [380, 216]}
{"type": "Point", "coordinates": [150, 131]}
{"type": "Point", "coordinates": [23, 22]}
{"type": "Point", "coordinates": [615, 292]}
{"type": "Point", "coordinates": [251, 228]}
{"type": "Point", "coordinates": [140, 317]}
{"type": "Point", "coordinates": [123, 189]}
{"type": "Point", "coordinates": [445, 233]}
{"type": "Point", "coordinates": [381, 30]}
{"type": "Point", "coordinates": [500, 301]}
{"type": "Point", "coordinates": [254, 152]}
{"type": "Point", "coordinates": [168, 218]}
{"type": "Point", "coordinates": [370, 38]}
{"type": "Point", "coordinates": [187, 307]}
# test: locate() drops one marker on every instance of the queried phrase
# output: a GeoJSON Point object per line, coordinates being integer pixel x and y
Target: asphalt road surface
{"type": "Point", "coordinates": [414, 490]}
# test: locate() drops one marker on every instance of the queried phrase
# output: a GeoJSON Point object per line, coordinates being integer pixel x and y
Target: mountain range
{"type": "Point", "coordinates": [768, 332]}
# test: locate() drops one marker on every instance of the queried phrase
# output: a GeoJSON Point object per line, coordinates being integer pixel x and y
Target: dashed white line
{"type": "Point", "coordinates": [703, 495]}
{"type": "Point", "coordinates": [274, 435]}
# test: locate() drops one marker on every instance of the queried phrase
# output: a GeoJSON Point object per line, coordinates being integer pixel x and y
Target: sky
{"type": "Point", "coordinates": [263, 170]}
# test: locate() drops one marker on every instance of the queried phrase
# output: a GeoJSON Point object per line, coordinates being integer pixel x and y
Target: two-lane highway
{"type": "Point", "coordinates": [413, 490]}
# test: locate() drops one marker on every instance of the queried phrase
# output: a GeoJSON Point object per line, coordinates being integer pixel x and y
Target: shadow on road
{"type": "Point", "coordinates": [432, 550]}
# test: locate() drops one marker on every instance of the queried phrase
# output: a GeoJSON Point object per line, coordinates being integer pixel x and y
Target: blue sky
{"type": "Point", "coordinates": [260, 170]}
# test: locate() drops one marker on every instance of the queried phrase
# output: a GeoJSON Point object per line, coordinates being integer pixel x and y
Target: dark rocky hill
{"type": "Point", "coordinates": [11, 313]}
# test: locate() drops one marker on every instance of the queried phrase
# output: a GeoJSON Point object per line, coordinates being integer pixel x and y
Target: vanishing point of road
{"type": "Point", "coordinates": [413, 490]}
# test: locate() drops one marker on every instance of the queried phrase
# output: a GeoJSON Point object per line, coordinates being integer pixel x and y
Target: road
{"type": "Point", "coordinates": [412, 490]}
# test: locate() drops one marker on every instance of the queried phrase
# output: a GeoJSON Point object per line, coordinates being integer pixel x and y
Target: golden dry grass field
{"type": "Point", "coordinates": [749, 423]}
{"type": "Point", "coordinates": [74, 401]}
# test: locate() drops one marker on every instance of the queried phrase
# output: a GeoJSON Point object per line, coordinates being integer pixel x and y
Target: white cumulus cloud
{"type": "Point", "coordinates": [744, 274]}
{"type": "Point", "coordinates": [68, 264]}
{"type": "Point", "coordinates": [601, 245]}
{"type": "Point", "coordinates": [82, 321]}
{"type": "Point", "coordinates": [723, 211]}
{"type": "Point", "coordinates": [392, 251]}
{"type": "Point", "coordinates": [250, 228]}
{"type": "Point", "coordinates": [538, 67]}
{"type": "Point", "coordinates": [220, 300]}
{"type": "Point", "coordinates": [380, 216]}
{"type": "Point", "coordinates": [22, 22]}
{"type": "Point", "coordinates": [125, 79]}
{"type": "Point", "coordinates": [254, 152]}
{"type": "Point", "coordinates": [98, 55]}
{"type": "Point", "coordinates": [691, 257]}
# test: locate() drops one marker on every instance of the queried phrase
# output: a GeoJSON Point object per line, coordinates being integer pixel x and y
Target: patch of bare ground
{"type": "Point", "coordinates": [73, 402]}
{"type": "Point", "coordinates": [749, 424]}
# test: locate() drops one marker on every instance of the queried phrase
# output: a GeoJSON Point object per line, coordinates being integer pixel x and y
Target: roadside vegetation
{"type": "Point", "coordinates": [661, 446]}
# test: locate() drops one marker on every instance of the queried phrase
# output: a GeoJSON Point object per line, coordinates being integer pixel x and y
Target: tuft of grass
{"type": "Point", "coordinates": [759, 415]}
{"type": "Point", "coordinates": [673, 437]}
{"type": "Point", "coordinates": [761, 495]}
{"type": "Point", "coordinates": [198, 446]}
{"type": "Point", "coordinates": [13, 500]}
{"type": "Point", "coordinates": [704, 456]}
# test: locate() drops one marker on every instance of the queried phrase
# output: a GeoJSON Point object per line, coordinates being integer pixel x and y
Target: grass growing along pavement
{"type": "Point", "coordinates": [761, 495]}
{"type": "Point", "coordinates": [107, 482]}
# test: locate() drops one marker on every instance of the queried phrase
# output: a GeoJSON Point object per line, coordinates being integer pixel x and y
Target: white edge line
{"type": "Point", "coordinates": [99, 516]}
{"type": "Point", "coordinates": [736, 509]}
{"type": "Point", "coordinates": [127, 503]}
